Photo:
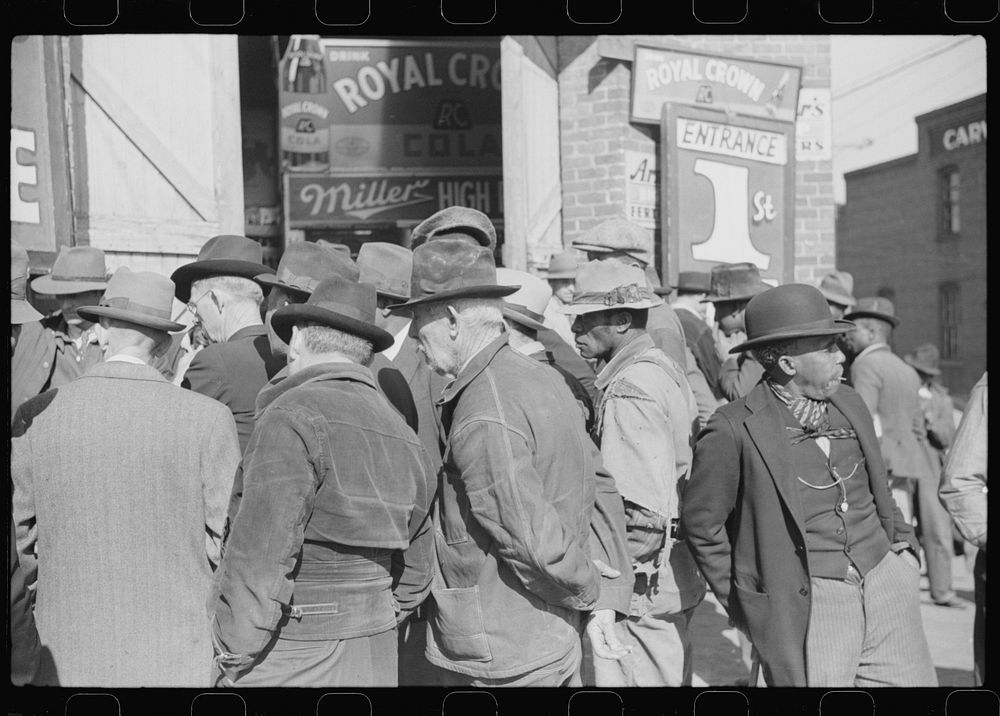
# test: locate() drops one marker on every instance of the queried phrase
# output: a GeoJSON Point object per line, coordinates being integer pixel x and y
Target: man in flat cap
{"type": "Point", "coordinates": [645, 423]}
{"type": "Point", "coordinates": [121, 547]}
{"type": "Point", "coordinates": [517, 493]}
{"type": "Point", "coordinates": [789, 516]}
{"type": "Point", "coordinates": [332, 545]}
{"type": "Point", "coordinates": [890, 389]}
{"type": "Point", "coordinates": [64, 345]}
{"type": "Point", "coordinates": [219, 290]}
{"type": "Point", "coordinates": [732, 287]}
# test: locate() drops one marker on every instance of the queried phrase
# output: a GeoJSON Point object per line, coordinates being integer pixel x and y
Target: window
{"type": "Point", "coordinates": [949, 316]}
{"type": "Point", "coordinates": [948, 188]}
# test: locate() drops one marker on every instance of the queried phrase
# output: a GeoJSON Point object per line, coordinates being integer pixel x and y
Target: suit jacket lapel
{"type": "Point", "coordinates": [766, 427]}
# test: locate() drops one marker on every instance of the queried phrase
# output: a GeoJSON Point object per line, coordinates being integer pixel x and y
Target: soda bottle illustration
{"type": "Point", "coordinates": [305, 116]}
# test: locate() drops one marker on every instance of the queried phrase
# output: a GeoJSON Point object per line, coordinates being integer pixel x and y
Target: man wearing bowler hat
{"type": "Point", "coordinates": [121, 547]}
{"type": "Point", "coordinates": [517, 490]}
{"type": "Point", "coordinates": [890, 389]}
{"type": "Point", "coordinates": [64, 345]}
{"type": "Point", "coordinates": [332, 545]}
{"type": "Point", "coordinates": [933, 523]}
{"type": "Point", "coordinates": [645, 422]}
{"type": "Point", "coordinates": [732, 287]}
{"type": "Point", "coordinates": [789, 516]}
{"type": "Point", "coordinates": [219, 289]}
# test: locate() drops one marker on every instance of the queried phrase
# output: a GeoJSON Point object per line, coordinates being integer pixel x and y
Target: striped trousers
{"type": "Point", "coordinates": [866, 632]}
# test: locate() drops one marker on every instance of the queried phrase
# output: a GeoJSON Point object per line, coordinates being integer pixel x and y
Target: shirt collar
{"type": "Point", "coordinates": [871, 349]}
{"type": "Point", "coordinates": [628, 353]}
{"type": "Point", "coordinates": [122, 358]}
{"type": "Point", "coordinates": [397, 342]}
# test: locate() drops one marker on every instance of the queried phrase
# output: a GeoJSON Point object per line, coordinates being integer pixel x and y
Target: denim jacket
{"type": "Point", "coordinates": [332, 538]}
{"type": "Point", "coordinates": [513, 519]}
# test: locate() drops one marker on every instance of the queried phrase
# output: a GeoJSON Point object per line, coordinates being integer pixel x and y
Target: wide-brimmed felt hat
{"type": "Point", "coordinates": [783, 313]}
{"type": "Point", "coordinates": [348, 306]}
{"type": "Point", "coordinates": [618, 236]}
{"type": "Point", "coordinates": [562, 265]}
{"type": "Point", "coordinates": [20, 310]}
{"type": "Point", "coordinates": [838, 287]}
{"type": "Point", "coordinates": [526, 306]}
{"type": "Point", "coordinates": [693, 282]}
{"type": "Point", "coordinates": [303, 265]}
{"type": "Point", "coordinates": [925, 358]}
{"type": "Point", "coordinates": [609, 285]}
{"type": "Point", "coordinates": [336, 247]}
{"type": "Point", "coordinates": [388, 267]}
{"type": "Point", "coordinates": [446, 269]}
{"type": "Point", "coordinates": [874, 307]}
{"type": "Point", "coordinates": [77, 269]}
{"type": "Point", "coordinates": [462, 221]}
{"type": "Point", "coordinates": [223, 255]}
{"type": "Point", "coordinates": [735, 282]}
{"type": "Point", "coordinates": [140, 297]}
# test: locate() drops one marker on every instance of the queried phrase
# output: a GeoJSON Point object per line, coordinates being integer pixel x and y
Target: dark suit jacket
{"type": "Point", "coordinates": [25, 650]}
{"type": "Point", "coordinates": [233, 372]}
{"type": "Point", "coordinates": [426, 387]}
{"type": "Point", "coordinates": [743, 518]}
{"type": "Point", "coordinates": [568, 359]}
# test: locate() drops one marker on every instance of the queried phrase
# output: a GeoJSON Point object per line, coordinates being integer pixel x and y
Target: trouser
{"type": "Point", "coordinates": [979, 625]}
{"type": "Point", "coordinates": [934, 526]}
{"type": "Point", "coordinates": [559, 673]}
{"type": "Point", "coordinates": [660, 656]}
{"type": "Point", "coordinates": [362, 661]}
{"type": "Point", "coordinates": [866, 632]}
{"type": "Point", "coordinates": [902, 493]}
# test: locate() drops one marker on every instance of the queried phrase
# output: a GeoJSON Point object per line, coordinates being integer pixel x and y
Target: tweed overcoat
{"type": "Point", "coordinates": [121, 481]}
{"type": "Point", "coordinates": [744, 524]}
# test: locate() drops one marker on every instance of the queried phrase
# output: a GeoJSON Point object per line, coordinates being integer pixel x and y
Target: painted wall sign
{"type": "Point", "coordinates": [760, 89]}
{"type": "Point", "coordinates": [729, 191]}
{"type": "Point", "coordinates": [324, 200]}
{"type": "Point", "coordinates": [39, 200]}
{"type": "Point", "coordinates": [395, 104]}
{"type": "Point", "coordinates": [814, 125]}
{"type": "Point", "coordinates": [642, 195]}
{"type": "Point", "coordinates": [967, 133]}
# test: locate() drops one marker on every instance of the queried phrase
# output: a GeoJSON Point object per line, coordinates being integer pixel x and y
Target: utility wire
{"type": "Point", "coordinates": [899, 68]}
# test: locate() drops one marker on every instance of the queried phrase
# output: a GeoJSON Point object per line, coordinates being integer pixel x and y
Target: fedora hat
{"type": "Point", "coordinates": [20, 310]}
{"type": "Point", "coordinates": [782, 313]}
{"type": "Point", "coordinates": [735, 282]}
{"type": "Point", "coordinates": [140, 297]}
{"type": "Point", "coordinates": [618, 236]}
{"type": "Point", "coordinates": [925, 359]}
{"type": "Point", "coordinates": [874, 307]}
{"type": "Point", "coordinates": [76, 269]}
{"type": "Point", "coordinates": [450, 268]}
{"type": "Point", "coordinates": [526, 306]}
{"type": "Point", "coordinates": [694, 282]}
{"type": "Point", "coordinates": [608, 285]}
{"type": "Point", "coordinates": [388, 267]}
{"type": "Point", "coordinates": [562, 265]}
{"type": "Point", "coordinates": [336, 247]}
{"type": "Point", "coordinates": [455, 220]}
{"type": "Point", "coordinates": [348, 306]}
{"type": "Point", "coordinates": [303, 265]}
{"type": "Point", "coordinates": [838, 287]}
{"type": "Point", "coordinates": [223, 255]}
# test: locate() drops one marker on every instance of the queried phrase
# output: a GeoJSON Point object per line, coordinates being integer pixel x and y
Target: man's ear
{"type": "Point", "coordinates": [623, 321]}
{"type": "Point", "coordinates": [295, 344]}
{"type": "Point", "coordinates": [787, 366]}
{"type": "Point", "coordinates": [452, 321]}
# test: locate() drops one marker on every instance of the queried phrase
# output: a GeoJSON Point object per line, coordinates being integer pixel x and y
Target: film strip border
{"type": "Point", "coordinates": [386, 16]}
{"type": "Point", "coordinates": [696, 702]}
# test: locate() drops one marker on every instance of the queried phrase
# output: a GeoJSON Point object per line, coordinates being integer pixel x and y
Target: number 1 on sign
{"type": "Point", "coordinates": [729, 241]}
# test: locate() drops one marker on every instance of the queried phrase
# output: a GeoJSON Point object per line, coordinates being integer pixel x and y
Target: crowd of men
{"type": "Point", "coordinates": [416, 468]}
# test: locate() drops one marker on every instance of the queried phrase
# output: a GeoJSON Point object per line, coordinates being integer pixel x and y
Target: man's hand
{"type": "Point", "coordinates": [910, 559]}
{"type": "Point", "coordinates": [606, 571]}
{"type": "Point", "coordinates": [602, 635]}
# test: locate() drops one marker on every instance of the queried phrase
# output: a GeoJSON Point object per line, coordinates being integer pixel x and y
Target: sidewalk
{"type": "Point", "coordinates": [949, 634]}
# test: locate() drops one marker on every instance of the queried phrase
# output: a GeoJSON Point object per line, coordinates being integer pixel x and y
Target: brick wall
{"type": "Point", "coordinates": [594, 97]}
{"type": "Point", "coordinates": [887, 238]}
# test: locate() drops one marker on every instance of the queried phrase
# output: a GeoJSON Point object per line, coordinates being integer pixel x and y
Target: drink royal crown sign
{"type": "Point", "coordinates": [757, 89]}
{"type": "Point", "coordinates": [388, 104]}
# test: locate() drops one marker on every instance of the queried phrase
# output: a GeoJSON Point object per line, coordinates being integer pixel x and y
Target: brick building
{"type": "Point", "coordinates": [596, 135]}
{"type": "Point", "coordinates": [914, 230]}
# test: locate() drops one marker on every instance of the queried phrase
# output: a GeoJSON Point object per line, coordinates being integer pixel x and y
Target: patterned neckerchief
{"type": "Point", "coordinates": [811, 414]}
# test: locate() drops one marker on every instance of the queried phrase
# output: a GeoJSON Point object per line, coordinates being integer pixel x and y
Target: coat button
{"type": "Point", "coordinates": [804, 592]}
